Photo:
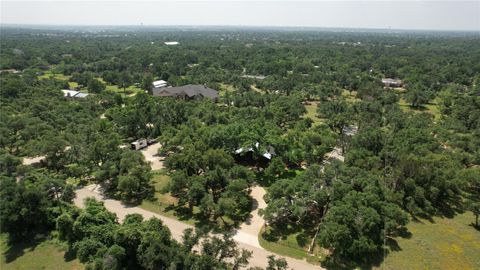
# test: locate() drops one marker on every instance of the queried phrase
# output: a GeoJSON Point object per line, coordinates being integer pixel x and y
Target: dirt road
{"type": "Point", "coordinates": [259, 255]}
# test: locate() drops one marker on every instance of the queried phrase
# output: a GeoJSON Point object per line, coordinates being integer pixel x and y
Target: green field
{"type": "Point", "coordinates": [431, 107]}
{"type": "Point", "coordinates": [58, 76]}
{"type": "Point", "coordinates": [131, 90]}
{"type": "Point", "coordinates": [350, 97]}
{"type": "Point", "coordinates": [311, 108]}
{"type": "Point", "coordinates": [442, 244]}
{"type": "Point", "coordinates": [43, 254]}
{"type": "Point", "coordinates": [445, 243]}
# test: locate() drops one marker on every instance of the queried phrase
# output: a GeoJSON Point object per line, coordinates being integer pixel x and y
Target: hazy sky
{"type": "Point", "coordinates": [437, 15]}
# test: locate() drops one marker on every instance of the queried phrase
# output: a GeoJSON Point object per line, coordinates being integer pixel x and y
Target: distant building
{"type": "Point", "coordinates": [74, 94]}
{"type": "Point", "coordinates": [160, 83]}
{"type": "Point", "coordinates": [171, 43]}
{"type": "Point", "coordinates": [12, 71]}
{"type": "Point", "coordinates": [257, 77]}
{"type": "Point", "coordinates": [388, 82]}
{"type": "Point", "coordinates": [190, 91]}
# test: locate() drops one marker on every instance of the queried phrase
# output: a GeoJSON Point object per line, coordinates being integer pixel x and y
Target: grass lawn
{"type": "Point", "coordinates": [350, 97]}
{"type": "Point", "coordinates": [165, 203]}
{"type": "Point", "coordinates": [291, 242]}
{"type": "Point", "coordinates": [48, 74]}
{"type": "Point", "coordinates": [447, 243]}
{"type": "Point", "coordinates": [131, 90]}
{"type": "Point", "coordinates": [43, 254]}
{"type": "Point", "coordinates": [431, 107]}
{"type": "Point", "coordinates": [312, 112]}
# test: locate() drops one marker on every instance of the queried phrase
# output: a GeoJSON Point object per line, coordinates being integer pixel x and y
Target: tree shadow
{"type": "Point", "coordinates": [69, 255]}
{"type": "Point", "coordinates": [184, 214]}
{"type": "Point", "coordinates": [16, 250]}
{"type": "Point", "coordinates": [301, 240]}
{"type": "Point", "coordinates": [248, 219]}
{"type": "Point", "coordinates": [281, 232]}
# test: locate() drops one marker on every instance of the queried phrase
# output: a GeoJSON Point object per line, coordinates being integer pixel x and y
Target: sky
{"type": "Point", "coordinates": [406, 14]}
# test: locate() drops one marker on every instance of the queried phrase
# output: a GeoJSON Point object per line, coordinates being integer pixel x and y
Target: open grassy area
{"type": "Point", "coordinates": [131, 90]}
{"type": "Point", "coordinates": [350, 96]}
{"type": "Point", "coordinates": [58, 76]}
{"type": "Point", "coordinates": [311, 108]}
{"type": "Point", "coordinates": [165, 203]}
{"type": "Point", "coordinates": [447, 243]}
{"type": "Point", "coordinates": [291, 242]}
{"type": "Point", "coordinates": [41, 254]}
{"type": "Point", "coordinates": [49, 74]}
{"type": "Point", "coordinates": [432, 108]}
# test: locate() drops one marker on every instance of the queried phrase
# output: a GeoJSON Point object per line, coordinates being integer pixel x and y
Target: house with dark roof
{"type": "Point", "coordinates": [190, 91]}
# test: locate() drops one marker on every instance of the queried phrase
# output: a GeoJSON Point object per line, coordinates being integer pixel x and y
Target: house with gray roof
{"type": "Point", "coordinates": [190, 91]}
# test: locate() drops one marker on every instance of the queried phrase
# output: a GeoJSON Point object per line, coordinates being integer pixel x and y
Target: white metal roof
{"type": "Point", "coordinates": [159, 83]}
{"type": "Point", "coordinates": [73, 93]}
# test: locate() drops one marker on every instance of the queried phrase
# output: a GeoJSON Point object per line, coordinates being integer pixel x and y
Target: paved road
{"type": "Point", "coordinates": [249, 230]}
{"type": "Point", "coordinates": [259, 255]}
{"type": "Point", "coordinates": [151, 155]}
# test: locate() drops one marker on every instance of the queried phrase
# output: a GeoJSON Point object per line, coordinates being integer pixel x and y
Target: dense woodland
{"type": "Point", "coordinates": [405, 162]}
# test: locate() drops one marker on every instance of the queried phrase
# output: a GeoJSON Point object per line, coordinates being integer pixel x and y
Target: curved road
{"type": "Point", "coordinates": [246, 237]}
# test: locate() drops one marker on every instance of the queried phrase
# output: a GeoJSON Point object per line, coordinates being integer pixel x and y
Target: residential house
{"type": "Point", "coordinates": [190, 91]}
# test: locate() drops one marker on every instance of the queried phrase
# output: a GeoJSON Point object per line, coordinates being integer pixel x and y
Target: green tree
{"type": "Point", "coordinates": [417, 96]}
{"type": "Point", "coordinates": [147, 82]}
{"type": "Point", "coordinates": [471, 184]}
{"type": "Point", "coordinates": [134, 180]}
{"type": "Point", "coordinates": [96, 86]}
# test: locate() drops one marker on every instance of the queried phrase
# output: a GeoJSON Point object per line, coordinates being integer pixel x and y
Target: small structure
{"type": "Point", "coordinates": [190, 91]}
{"type": "Point", "coordinates": [248, 157]}
{"type": "Point", "coordinates": [389, 82]}
{"type": "Point", "coordinates": [256, 77]}
{"type": "Point", "coordinates": [73, 94]}
{"type": "Point", "coordinates": [139, 144]}
{"type": "Point", "coordinates": [11, 71]}
{"type": "Point", "coordinates": [171, 43]}
{"type": "Point", "coordinates": [268, 154]}
{"type": "Point", "coordinates": [159, 83]}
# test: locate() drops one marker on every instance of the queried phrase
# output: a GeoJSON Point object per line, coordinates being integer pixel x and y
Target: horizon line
{"type": "Point", "coordinates": [234, 26]}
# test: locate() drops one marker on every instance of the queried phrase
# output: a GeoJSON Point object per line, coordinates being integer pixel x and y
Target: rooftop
{"type": "Point", "coordinates": [189, 90]}
{"type": "Point", "coordinates": [73, 93]}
